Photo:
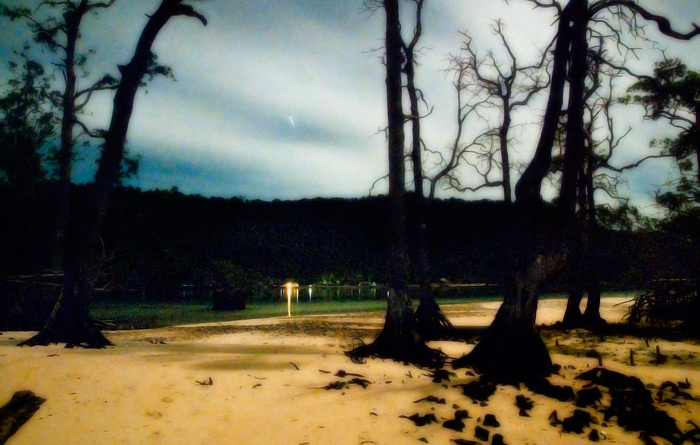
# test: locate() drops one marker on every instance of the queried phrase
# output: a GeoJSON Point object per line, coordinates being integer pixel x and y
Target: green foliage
{"type": "Point", "coordinates": [673, 94]}
{"type": "Point", "coordinates": [683, 199]}
{"type": "Point", "coordinates": [665, 302]}
{"type": "Point", "coordinates": [622, 218]}
{"type": "Point", "coordinates": [27, 123]}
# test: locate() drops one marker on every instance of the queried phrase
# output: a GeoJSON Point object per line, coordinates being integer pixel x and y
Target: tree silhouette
{"type": "Point", "coordinates": [512, 349]}
{"type": "Point", "coordinates": [70, 322]}
{"type": "Point", "coordinates": [26, 124]}
{"type": "Point", "coordinates": [61, 36]}
{"type": "Point", "coordinates": [672, 95]}
{"type": "Point", "coordinates": [26, 127]}
{"type": "Point", "coordinates": [399, 339]}
{"type": "Point", "coordinates": [486, 86]}
{"type": "Point", "coordinates": [432, 322]}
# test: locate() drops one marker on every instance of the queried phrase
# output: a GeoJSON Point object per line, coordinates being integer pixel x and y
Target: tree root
{"type": "Point", "coordinates": [84, 334]}
{"type": "Point", "coordinates": [509, 357]}
{"type": "Point", "coordinates": [415, 352]}
{"type": "Point", "coordinates": [432, 323]}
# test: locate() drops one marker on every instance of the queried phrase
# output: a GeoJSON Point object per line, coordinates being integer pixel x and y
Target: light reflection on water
{"type": "Point", "coordinates": [299, 294]}
{"type": "Point", "coordinates": [293, 291]}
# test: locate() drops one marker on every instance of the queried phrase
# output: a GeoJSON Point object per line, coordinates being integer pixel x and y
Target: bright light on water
{"type": "Point", "coordinates": [291, 289]}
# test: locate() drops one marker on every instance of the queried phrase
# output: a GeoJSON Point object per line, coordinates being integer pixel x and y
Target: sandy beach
{"type": "Point", "coordinates": [268, 377]}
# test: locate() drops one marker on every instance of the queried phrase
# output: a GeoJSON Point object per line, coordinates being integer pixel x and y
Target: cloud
{"type": "Point", "coordinates": [223, 128]}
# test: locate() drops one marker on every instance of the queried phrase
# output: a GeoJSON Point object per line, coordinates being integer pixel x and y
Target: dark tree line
{"type": "Point", "coordinates": [158, 240]}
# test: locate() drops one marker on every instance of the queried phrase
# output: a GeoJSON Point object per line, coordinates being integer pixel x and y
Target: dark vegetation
{"type": "Point", "coordinates": [156, 241]}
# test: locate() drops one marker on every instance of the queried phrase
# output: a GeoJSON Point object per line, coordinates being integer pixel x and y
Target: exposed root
{"type": "Point", "coordinates": [432, 323]}
{"type": "Point", "coordinates": [415, 352]}
{"type": "Point", "coordinates": [509, 357]}
{"type": "Point", "coordinates": [83, 333]}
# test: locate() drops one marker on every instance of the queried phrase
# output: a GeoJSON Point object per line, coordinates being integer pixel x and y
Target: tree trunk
{"type": "Point", "coordinates": [592, 314]}
{"type": "Point", "coordinates": [70, 322]}
{"type": "Point", "coordinates": [65, 154]}
{"type": "Point", "coordinates": [399, 339]}
{"type": "Point", "coordinates": [529, 185]}
{"type": "Point", "coordinates": [512, 350]}
{"type": "Point", "coordinates": [431, 321]}
{"type": "Point", "coordinates": [572, 315]}
{"type": "Point", "coordinates": [505, 156]}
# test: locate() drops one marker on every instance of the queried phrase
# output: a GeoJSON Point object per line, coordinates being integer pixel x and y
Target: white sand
{"type": "Point", "coordinates": [139, 392]}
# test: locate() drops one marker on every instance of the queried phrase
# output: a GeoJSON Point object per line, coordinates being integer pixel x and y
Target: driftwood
{"type": "Point", "coordinates": [17, 411]}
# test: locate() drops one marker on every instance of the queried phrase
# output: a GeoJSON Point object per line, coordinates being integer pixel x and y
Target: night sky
{"type": "Point", "coordinates": [285, 99]}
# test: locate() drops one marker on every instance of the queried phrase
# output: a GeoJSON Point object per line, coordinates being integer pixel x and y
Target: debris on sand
{"type": "Point", "coordinates": [576, 422]}
{"type": "Point", "coordinates": [17, 412]}
{"type": "Point", "coordinates": [432, 399]}
{"type": "Point", "coordinates": [342, 385]}
{"type": "Point", "coordinates": [441, 375]}
{"type": "Point", "coordinates": [478, 390]}
{"type": "Point", "coordinates": [457, 423]}
{"type": "Point", "coordinates": [588, 397]}
{"type": "Point", "coordinates": [525, 404]}
{"type": "Point", "coordinates": [632, 404]}
{"type": "Point", "coordinates": [481, 433]}
{"type": "Point", "coordinates": [490, 420]}
{"type": "Point", "coordinates": [421, 420]}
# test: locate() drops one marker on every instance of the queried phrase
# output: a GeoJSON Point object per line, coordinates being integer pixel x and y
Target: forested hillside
{"type": "Point", "coordinates": [158, 240]}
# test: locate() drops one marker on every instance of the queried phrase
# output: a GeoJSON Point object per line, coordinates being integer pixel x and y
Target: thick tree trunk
{"type": "Point", "coordinates": [592, 314]}
{"type": "Point", "coordinates": [572, 315]}
{"type": "Point", "coordinates": [529, 185]}
{"type": "Point", "coordinates": [70, 322]}
{"type": "Point", "coordinates": [512, 350]}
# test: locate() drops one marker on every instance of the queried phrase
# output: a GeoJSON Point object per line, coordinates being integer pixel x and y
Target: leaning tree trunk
{"type": "Point", "coordinates": [512, 350]}
{"type": "Point", "coordinates": [70, 321]}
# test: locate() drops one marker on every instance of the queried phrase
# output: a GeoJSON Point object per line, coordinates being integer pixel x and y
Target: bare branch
{"type": "Point", "coordinates": [87, 131]}
{"type": "Point", "coordinates": [634, 164]}
{"type": "Point", "coordinates": [662, 23]}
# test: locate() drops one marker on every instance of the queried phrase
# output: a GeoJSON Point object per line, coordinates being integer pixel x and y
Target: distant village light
{"type": "Point", "coordinates": [291, 289]}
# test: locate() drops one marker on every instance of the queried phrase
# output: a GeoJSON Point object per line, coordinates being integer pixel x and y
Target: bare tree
{"type": "Point", "coordinates": [489, 85]}
{"type": "Point", "coordinates": [70, 322]}
{"type": "Point", "coordinates": [399, 339]}
{"type": "Point", "coordinates": [512, 349]}
{"type": "Point", "coordinates": [431, 321]}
